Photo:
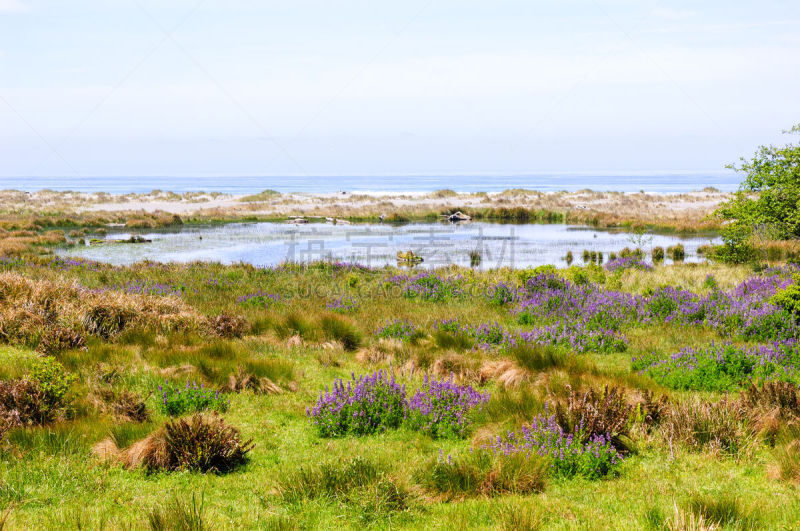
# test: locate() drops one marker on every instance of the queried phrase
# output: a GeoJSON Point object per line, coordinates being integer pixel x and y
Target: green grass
{"type": "Point", "coordinates": [50, 479]}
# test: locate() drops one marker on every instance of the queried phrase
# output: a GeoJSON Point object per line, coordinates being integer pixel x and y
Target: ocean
{"type": "Point", "coordinates": [669, 183]}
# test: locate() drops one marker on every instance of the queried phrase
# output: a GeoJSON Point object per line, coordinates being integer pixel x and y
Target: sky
{"type": "Point", "coordinates": [377, 87]}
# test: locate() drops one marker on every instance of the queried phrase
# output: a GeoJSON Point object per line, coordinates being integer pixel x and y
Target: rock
{"type": "Point", "coordinates": [459, 216]}
{"type": "Point", "coordinates": [408, 256]}
{"type": "Point", "coordinates": [297, 220]}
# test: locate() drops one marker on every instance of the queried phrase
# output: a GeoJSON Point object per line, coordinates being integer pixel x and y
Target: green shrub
{"type": "Point", "coordinates": [788, 298]}
{"type": "Point", "coordinates": [53, 381]}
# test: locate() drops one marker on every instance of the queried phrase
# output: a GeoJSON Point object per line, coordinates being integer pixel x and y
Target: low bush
{"type": "Point", "coordinates": [200, 443]}
{"type": "Point", "coordinates": [58, 338]}
{"type": "Point", "coordinates": [784, 396]}
{"type": "Point", "coordinates": [788, 298]}
{"type": "Point", "coordinates": [177, 400]}
{"type": "Point", "coordinates": [442, 408]}
{"type": "Point", "coordinates": [484, 473]}
{"type": "Point", "coordinates": [366, 405]}
{"type": "Point", "coordinates": [591, 414]}
{"type": "Point", "coordinates": [22, 403]}
{"type": "Point", "coordinates": [676, 252]}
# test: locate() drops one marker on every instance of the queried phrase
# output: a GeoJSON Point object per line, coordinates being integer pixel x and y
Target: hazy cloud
{"type": "Point", "coordinates": [12, 6]}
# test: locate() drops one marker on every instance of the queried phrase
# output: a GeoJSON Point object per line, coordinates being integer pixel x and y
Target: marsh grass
{"type": "Point", "coordinates": [483, 473]}
{"type": "Point", "coordinates": [725, 510]}
{"type": "Point", "coordinates": [179, 514]}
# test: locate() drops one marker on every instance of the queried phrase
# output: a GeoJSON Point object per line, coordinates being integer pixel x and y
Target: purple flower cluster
{"type": "Point", "coordinates": [373, 403]}
{"type": "Point", "coordinates": [260, 299]}
{"type": "Point", "coordinates": [628, 262]}
{"type": "Point", "coordinates": [220, 281]}
{"type": "Point", "coordinates": [428, 286]}
{"type": "Point", "coordinates": [485, 336]}
{"type": "Point", "coordinates": [363, 406]}
{"type": "Point", "coordinates": [441, 408]}
{"type": "Point", "coordinates": [571, 454]}
{"type": "Point", "coordinates": [69, 264]}
{"type": "Point", "coordinates": [7, 262]}
{"type": "Point", "coordinates": [342, 305]}
{"type": "Point", "coordinates": [745, 310]}
{"type": "Point", "coordinates": [503, 293]}
{"type": "Point", "coordinates": [576, 335]}
{"type": "Point", "coordinates": [723, 366]}
{"type": "Point", "coordinates": [398, 329]}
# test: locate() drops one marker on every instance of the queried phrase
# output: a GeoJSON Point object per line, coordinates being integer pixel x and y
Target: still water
{"type": "Point", "coordinates": [267, 244]}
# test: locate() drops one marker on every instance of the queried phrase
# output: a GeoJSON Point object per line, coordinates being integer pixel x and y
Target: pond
{"type": "Point", "coordinates": [267, 244]}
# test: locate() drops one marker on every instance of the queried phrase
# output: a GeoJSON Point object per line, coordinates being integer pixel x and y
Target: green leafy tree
{"type": "Point", "coordinates": [767, 204]}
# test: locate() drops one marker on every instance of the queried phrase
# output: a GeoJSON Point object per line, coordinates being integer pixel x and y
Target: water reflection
{"type": "Point", "coordinates": [483, 245]}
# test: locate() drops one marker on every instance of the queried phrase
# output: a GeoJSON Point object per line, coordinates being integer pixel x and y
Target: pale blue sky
{"type": "Point", "coordinates": [130, 87]}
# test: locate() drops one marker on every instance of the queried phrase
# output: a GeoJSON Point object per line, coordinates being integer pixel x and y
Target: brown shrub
{"type": "Point", "coordinates": [201, 443]}
{"type": "Point", "coordinates": [784, 396]}
{"type": "Point", "coordinates": [455, 366]}
{"type": "Point", "coordinates": [605, 412]}
{"type": "Point", "coordinates": [124, 405]}
{"type": "Point", "coordinates": [721, 427]}
{"type": "Point", "coordinates": [227, 325]}
{"type": "Point", "coordinates": [23, 403]}
{"type": "Point", "coordinates": [29, 309]}
{"type": "Point", "coordinates": [649, 411]}
{"type": "Point", "coordinates": [58, 338]}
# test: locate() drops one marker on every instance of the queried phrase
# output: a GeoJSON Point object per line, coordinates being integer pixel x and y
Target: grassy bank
{"type": "Point", "coordinates": [270, 340]}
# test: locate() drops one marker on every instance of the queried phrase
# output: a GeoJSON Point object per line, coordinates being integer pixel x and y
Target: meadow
{"type": "Point", "coordinates": [203, 396]}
